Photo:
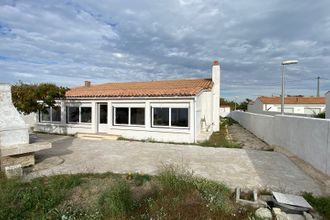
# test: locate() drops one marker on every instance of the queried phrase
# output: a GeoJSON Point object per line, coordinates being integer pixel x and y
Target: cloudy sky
{"type": "Point", "coordinates": [67, 42]}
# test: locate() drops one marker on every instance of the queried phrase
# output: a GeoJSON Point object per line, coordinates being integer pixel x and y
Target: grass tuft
{"type": "Point", "coordinates": [36, 198]}
{"type": "Point", "coordinates": [320, 204]}
{"type": "Point", "coordinates": [116, 200]}
{"type": "Point", "coordinates": [217, 195]}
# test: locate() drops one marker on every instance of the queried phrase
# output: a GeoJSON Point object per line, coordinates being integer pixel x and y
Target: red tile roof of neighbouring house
{"type": "Point", "coordinates": [292, 100]}
{"type": "Point", "coordinates": [190, 87]}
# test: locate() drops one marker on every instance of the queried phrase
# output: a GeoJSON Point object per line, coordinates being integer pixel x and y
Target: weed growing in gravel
{"type": "Point", "coordinates": [116, 200]}
{"type": "Point", "coordinates": [173, 194]}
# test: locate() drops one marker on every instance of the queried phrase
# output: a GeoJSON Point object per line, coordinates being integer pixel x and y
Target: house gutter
{"type": "Point", "coordinates": [128, 98]}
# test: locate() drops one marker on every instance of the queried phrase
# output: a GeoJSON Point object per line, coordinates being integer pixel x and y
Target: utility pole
{"type": "Point", "coordinates": [318, 86]}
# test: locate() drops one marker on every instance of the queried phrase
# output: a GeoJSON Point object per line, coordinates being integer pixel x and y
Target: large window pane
{"type": "Point", "coordinates": [73, 114]}
{"type": "Point", "coordinates": [179, 117]}
{"type": "Point", "coordinates": [45, 114]}
{"type": "Point", "coordinates": [121, 116]}
{"type": "Point", "coordinates": [56, 113]}
{"type": "Point", "coordinates": [137, 116]}
{"type": "Point", "coordinates": [86, 114]}
{"type": "Point", "coordinates": [103, 114]}
{"type": "Point", "coordinates": [161, 116]}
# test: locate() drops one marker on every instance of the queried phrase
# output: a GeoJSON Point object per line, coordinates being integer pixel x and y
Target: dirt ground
{"type": "Point", "coordinates": [246, 139]}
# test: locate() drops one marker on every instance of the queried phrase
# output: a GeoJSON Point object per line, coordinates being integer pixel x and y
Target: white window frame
{"type": "Point", "coordinates": [79, 107]}
{"type": "Point", "coordinates": [83, 106]}
{"type": "Point", "coordinates": [170, 116]}
{"type": "Point", "coordinates": [129, 115]}
{"type": "Point", "coordinates": [50, 115]}
{"type": "Point", "coordinates": [312, 110]}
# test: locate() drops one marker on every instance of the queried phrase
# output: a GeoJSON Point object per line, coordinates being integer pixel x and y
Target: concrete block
{"type": "Point", "coordinates": [254, 202]}
{"type": "Point", "coordinates": [24, 148]}
{"type": "Point", "coordinates": [24, 160]}
{"type": "Point", "coordinates": [14, 171]}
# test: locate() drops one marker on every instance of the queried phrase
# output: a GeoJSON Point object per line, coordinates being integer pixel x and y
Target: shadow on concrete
{"type": "Point", "coordinates": [60, 145]}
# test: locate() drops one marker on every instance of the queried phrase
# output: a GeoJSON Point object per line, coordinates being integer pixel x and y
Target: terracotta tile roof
{"type": "Point", "coordinates": [292, 100]}
{"type": "Point", "coordinates": [143, 89]}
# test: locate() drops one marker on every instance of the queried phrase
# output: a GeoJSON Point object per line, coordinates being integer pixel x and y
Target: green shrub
{"type": "Point", "coordinates": [116, 200]}
{"type": "Point", "coordinates": [320, 115]}
{"type": "Point", "coordinates": [320, 204]}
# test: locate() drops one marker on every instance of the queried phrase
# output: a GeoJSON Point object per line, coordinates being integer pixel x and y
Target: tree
{"type": "Point", "coordinates": [28, 98]}
{"type": "Point", "coordinates": [225, 102]}
{"type": "Point", "coordinates": [243, 105]}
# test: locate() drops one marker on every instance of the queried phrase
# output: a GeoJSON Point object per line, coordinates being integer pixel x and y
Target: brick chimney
{"type": "Point", "coordinates": [88, 83]}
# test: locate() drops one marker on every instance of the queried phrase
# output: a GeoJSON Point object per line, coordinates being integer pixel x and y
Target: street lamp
{"type": "Point", "coordinates": [286, 62]}
{"type": "Point", "coordinates": [235, 100]}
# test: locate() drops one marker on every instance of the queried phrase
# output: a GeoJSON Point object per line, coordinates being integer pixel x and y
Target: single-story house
{"type": "Point", "coordinates": [327, 113]}
{"type": "Point", "coordinates": [292, 104]}
{"type": "Point", "coordinates": [171, 111]}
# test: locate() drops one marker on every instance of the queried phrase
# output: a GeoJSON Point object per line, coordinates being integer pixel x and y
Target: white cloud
{"type": "Point", "coordinates": [69, 41]}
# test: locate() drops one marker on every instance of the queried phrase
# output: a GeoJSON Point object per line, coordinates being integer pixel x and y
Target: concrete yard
{"type": "Point", "coordinates": [235, 167]}
{"type": "Point", "coordinates": [246, 139]}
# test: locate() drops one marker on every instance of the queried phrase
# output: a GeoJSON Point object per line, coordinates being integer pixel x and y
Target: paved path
{"type": "Point", "coordinates": [235, 167]}
{"type": "Point", "coordinates": [246, 139]}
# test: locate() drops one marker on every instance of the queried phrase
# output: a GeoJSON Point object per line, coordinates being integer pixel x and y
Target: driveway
{"type": "Point", "coordinates": [235, 167]}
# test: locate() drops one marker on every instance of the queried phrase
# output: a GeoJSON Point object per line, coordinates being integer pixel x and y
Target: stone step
{"type": "Point", "coordinates": [99, 136]}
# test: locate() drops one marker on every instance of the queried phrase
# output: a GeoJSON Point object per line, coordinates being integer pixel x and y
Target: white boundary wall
{"type": "Point", "coordinates": [224, 111]}
{"type": "Point", "coordinates": [327, 103]}
{"type": "Point", "coordinates": [307, 138]}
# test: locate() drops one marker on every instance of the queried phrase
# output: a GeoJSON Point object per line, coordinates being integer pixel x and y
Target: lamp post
{"type": "Point", "coordinates": [286, 62]}
{"type": "Point", "coordinates": [235, 99]}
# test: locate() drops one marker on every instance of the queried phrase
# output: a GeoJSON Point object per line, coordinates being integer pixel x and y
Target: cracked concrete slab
{"type": "Point", "coordinates": [235, 167]}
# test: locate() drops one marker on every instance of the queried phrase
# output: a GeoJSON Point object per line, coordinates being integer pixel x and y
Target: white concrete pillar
{"type": "Point", "coordinates": [63, 112]}
{"type": "Point", "coordinates": [110, 115]}
{"type": "Point", "coordinates": [94, 117]}
{"type": "Point", "coordinates": [215, 95]}
{"type": "Point", "coordinates": [148, 115]}
{"type": "Point", "coordinates": [192, 120]}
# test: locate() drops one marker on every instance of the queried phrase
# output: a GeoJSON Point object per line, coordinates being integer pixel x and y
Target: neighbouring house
{"type": "Point", "coordinates": [174, 110]}
{"type": "Point", "coordinates": [327, 113]}
{"type": "Point", "coordinates": [224, 110]}
{"type": "Point", "coordinates": [293, 104]}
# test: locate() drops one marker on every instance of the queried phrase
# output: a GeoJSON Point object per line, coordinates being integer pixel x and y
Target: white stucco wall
{"type": "Point", "coordinates": [307, 138]}
{"type": "Point", "coordinates": [327, 98]}
{"type": "Point", "coordinates": [259, 107]}
{"type": "Point", "coordinates": [30, 119]}
{"type": "Point", "coordinates": [256, 106]}
{"type": "Point", "coordinates": [13, 130]}
{"type": "Point", "coordinates": [133, 132]}
{"type": "Point", "coordinates": [204, 109]}
{"type": "Point", "coordinates": [215, 96]}
{"type": "Point", "coordinates": [224, 111]}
